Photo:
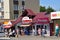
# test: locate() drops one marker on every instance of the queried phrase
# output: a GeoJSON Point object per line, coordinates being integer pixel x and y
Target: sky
{"type": "Point", "coordinates": [55, 4]}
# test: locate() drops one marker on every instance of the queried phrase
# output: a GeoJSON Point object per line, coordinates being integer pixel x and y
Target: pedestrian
{"type": "Point", "coordinates": [13, 33]}
{"type": "Point", "coordinates": [22, 32]}
{"type": "Point", "coordinates": [33, 31]}
{"type": "Point", "coordinates": [43, 32]}
{"type": "Point", "coordinates": [56, 30]}
{"type": "Point", "coordinates": [39, 31]}
{"type": "Point", "coordinates": [17, 32]}
{"type": "Point", "coordinates": [6, 33]}
{"type": "Point", "coordinates": [10, 33]}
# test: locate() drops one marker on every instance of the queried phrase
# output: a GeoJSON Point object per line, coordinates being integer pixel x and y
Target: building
{"type": "Point", "coordinates": [55, 18]}
{"type": "Point", "coordinates": [11, 9]}
{"type": "Point", "coordinates": [41, 21]}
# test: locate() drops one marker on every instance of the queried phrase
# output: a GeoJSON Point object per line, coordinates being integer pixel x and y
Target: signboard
{"type": "Point", "coordinates": [26, 20]}
{"type": "Point", "coordinates": [55, 15]}
{"type": "Point", "coordinates": [42, 20]}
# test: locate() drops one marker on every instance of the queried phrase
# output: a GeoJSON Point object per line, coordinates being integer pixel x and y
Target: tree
{"type": "Point", "coordinates": [42, 9]}
{"type": "Point", "coordinates": [49, 9]}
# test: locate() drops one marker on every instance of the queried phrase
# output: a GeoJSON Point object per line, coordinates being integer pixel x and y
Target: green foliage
{"type": "Point", "coordinates": [42, 9]}
{"type": "Point", "coordinates": [48, 10]}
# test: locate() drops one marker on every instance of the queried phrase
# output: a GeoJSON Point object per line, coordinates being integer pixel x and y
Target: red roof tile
{"type": "Point", "coordinates": [41, 16]}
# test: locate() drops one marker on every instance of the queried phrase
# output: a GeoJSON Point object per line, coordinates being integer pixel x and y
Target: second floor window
{"type": "Point", "coordinates": [15, 0]}
{"type": "Point", "coordinates": [16, 7]}
{"type": "Point", "coordinates": [15, 16]}
{"type": "Point", "coordinates": [1, 0]}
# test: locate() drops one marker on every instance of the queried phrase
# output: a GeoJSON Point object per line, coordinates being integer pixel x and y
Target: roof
{"type": "Point", "coordinates": [17, 20]}
{"type": "Point", "coordinates": [30, 12]}
{"type": "Point", "coordinates": [41, 16]}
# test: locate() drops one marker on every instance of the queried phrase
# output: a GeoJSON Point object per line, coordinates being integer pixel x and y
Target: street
{"type": "Point", "coordinates": [36, 38]}
{"type": "Point", "coordinates": [33, 38]}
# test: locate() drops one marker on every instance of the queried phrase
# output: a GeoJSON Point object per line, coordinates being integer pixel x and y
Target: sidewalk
{"type": "Point", "coordinates": [35, 38]}
{"type": "Point", "coordinates": [4, 38]}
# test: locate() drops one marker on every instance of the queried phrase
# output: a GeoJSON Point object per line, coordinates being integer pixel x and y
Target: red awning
{"type": "Point", "coordinates": [41, 18]}
{"type": "Point", "coordinates": [30, 12]}
{"type": "Point", "coordinates": [17, 20]}
{"type": "Point", "coordinates": [7, 26]}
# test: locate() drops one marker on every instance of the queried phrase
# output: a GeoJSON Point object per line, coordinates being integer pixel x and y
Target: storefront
{"type": "Point", "coordinates": [25, 20]}
{"type": "Point", "coordinates": [25, 24]}
{"type": "Point", "coordinates": [42, 21]}
{"type": "Point", "coordinates": [55, 17]}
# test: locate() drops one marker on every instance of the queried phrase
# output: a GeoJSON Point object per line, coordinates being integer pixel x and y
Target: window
{"type": "Point", "coordinates": [15, 16]}
{"type": "Point", "coordinates": [15, 0]}
{"type": "Point", "coordinates": [1, 0]}
{"type": "Point", "coordinates": [1, 17]}
{"type": "Point", "coordinates": [23, 2]}
{"type": "Point", "coordinates": [16, 7]}
{"type": "Point", "coordinates": [1, 9]}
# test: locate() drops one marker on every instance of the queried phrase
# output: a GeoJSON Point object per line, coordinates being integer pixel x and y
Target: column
{"type": "Point", "coordinates": [35, 30]}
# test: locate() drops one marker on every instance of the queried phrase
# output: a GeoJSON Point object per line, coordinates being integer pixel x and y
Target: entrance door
{"type": "Point", "coordinates": [39, 28]}
{"type": "Point", "coordinates": [46, 26]}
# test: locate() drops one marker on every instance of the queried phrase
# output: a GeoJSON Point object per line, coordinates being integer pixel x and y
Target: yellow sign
{"type": "Point", "coordinates": [6, 23]}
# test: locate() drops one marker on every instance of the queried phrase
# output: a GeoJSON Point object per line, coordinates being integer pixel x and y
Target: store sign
{"type": "Point", "coordinates": [42, 20]}
{"type": "Point", "coordinates": [39, 20]}
{"type": "Point", "coordinates": [55, 15]}
{"type": "Point", "coordinates": [26, 20]}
